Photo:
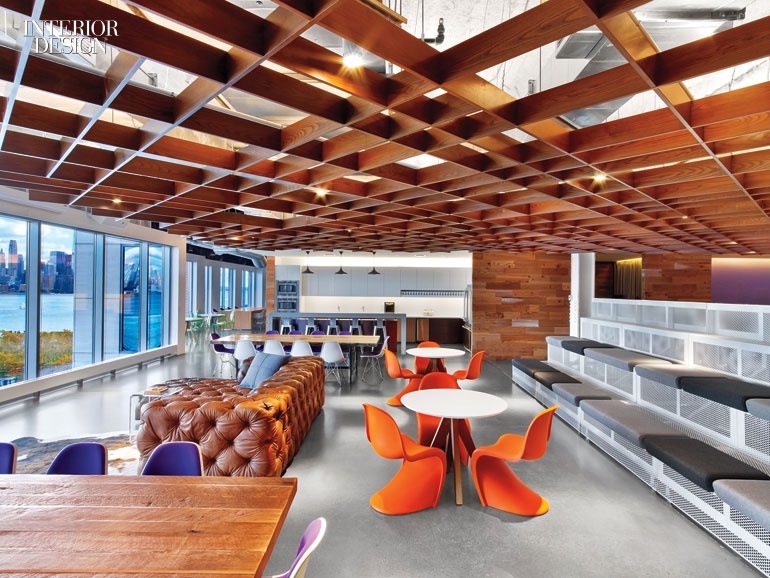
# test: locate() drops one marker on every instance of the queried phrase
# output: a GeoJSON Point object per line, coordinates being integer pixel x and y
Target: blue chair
{"type": "Point", "coordinates": [311, 537]}
{"type": "Point", "coordinates": [7, 458]}
{"type": "Point", "coordinates": [174, 459]}
{"type": "Point", "coordinates": [81, 458]}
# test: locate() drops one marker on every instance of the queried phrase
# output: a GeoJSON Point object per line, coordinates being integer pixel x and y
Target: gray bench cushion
{"type": "Point", "coordinates": [728, 391]}
{"type": "Point", "coordinates": [530, 366]}
{"type": "Point", "coordinates": [628, 419]}
{"type": "Point", "coordinates": [576, 344]}
{"type": "Point", "coordinates": [574, 393]}
{"type": "Point", "coordinates": [622, 358]}
{"type": "Point", "coordinates": [699, 462]}
{"type": "Point", "coordinates": [671, 373]}
{"type": "Point", "coordinates": [548, 378]}
{"type": "Point", "coordinates": [759, 408]}
{"type": "Point", "coordinates": [750, 497]}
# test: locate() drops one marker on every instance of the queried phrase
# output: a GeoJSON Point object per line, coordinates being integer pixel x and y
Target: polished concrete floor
{"type": "Point", "coordinates": [603, 521]}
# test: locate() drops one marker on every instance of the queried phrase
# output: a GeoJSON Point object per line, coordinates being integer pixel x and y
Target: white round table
{"type": "Point", "coordinates": [454, 404]}
{"type": "Point", "coordinates": [434, 354]}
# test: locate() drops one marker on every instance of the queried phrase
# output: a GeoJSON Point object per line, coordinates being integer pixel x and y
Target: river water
{"type": "Point", "coordinates": [58, 311]}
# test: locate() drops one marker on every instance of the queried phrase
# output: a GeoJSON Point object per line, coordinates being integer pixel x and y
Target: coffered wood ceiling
{"type": "Point", "coordinates": [690, 177]}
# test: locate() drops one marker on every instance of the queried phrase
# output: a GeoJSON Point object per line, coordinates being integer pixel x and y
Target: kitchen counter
{"type": "Point", "coordinates": [334, 316]}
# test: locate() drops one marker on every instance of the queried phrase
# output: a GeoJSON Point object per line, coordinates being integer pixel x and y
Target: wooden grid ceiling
{"type": "Point", "coordinates": [692, 176]}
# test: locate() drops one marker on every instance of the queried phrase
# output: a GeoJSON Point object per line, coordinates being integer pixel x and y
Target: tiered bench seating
{"type": "Point", "coordinates": [698, 437]}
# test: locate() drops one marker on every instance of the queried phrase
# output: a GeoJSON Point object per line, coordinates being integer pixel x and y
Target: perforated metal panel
{"type": "Point", "coordinates": [659, 396]}
{"type": "Point", "coordinates": [626, 312]}
{"type": "Point", "coordinates": [633, 458]}
{"type": "Point", "coordinates": [741, 324]}
{"type": "Point", "coordinates": [706, 509]}
{"type": "Point", "coordinates": [609, 335]}
{"type": "Point", "coordinates": [757, 435]}
{"type": "Point", "coordinates": [689, 319]}
{"type": "Point", "coordinates": [594, 369]}
{"type": "Point", "coordinates": [653, 315]}
{"type": "Point", "coordinates": [637, 340]}
{"type": "Point", "coordinates": [669, 347]}
{"type": "Point", "coordinates": [620, 380]}
{"type": "Point", "coordinates": [720, 357]}
{"type": "Point", "coordinates": [568, 413]}
{"type": "Point", "coordinates": [601, 309]}
{"type": "Point", "coordinates": [708, 414]}
{"type": "Point", "coordinates": [766, 325]}
{"type": "Point", "coordinates": [755, 365]}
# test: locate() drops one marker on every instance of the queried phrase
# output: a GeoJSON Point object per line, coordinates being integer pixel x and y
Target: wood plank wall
{"type": "Point", "coordinates": [677, 277]}
{"type": "Point", "coordinates": [270, 284]}
{"type": "Point", "coordinates": [518, 300]}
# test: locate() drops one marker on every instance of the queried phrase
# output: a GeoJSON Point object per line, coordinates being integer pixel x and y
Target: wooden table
{"type": "Point", "coordinates": [140, 525]}
{"type": "Point", "coordinates": [353, 341]}
{"type": "Point", "coordinates": [455, 405]}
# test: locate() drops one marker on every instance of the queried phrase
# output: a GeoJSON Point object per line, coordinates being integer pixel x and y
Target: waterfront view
{"type": "Point", "coordinates": [58, 311]}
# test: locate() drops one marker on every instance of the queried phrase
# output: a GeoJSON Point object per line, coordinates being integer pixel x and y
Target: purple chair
{"type": "Point", "coordinates": [174, 459]}
{"type": "Point", "coordinates": [224, 355]}
{"type": "Point", "coordinates": [81, 458]}
{"type": "Point", "coordinates": [316, 348]}
{"type": "Point", "coordinates": [311, 537]}
{"type": "Point", "coordinates": [7, 458]}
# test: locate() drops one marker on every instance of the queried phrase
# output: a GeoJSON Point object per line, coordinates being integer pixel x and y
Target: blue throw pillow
{"type": "Point", "coordinates": [262, 366]}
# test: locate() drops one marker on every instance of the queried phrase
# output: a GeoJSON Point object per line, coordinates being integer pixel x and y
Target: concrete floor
{"type": "Point", "coordinates": [603, 520]}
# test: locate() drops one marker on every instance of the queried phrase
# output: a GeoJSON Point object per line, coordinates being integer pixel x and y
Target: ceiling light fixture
{"type": "Point", "coordinates": [341, 271]}
{"type": "Point", "coordinates": [306, 270]}
{"type": "Point", "coordinates": [374, 270]}
{"type": "Point", "coordinates": [353, 60]}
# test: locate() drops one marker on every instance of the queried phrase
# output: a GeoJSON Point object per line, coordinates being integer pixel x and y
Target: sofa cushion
{"type": "Point", "coordinates": [621, 358]}
{"type": "Point", "coordinates": [699, 462]}
{"type": "Point", "coordinates": [750, 497]}
{"type": "Point", "coordinates": [263, 366]}
{"type": "Point", "coordinates": [631, 421]}
{"type": "Point", "coordinates": [548, 378]}
{"type": "Point", "coordinates": [530, 366]}
{"type": "Point", "coordinates": [574, 393]}
{"type": "Point", "coordinates": [759, 408]}
{"type": "Point", "coordinates": [728, 391]}
{"type": "Point", "coordinates": [671, 374]}
{"type": "Point", "coordinates": [578, 345]}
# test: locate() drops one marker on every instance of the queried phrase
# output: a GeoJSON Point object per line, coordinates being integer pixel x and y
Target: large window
{"type": "Point", "coordinates": [247, 288]}
{"type": "Point", "coordinates": [226, 288]}
{"type": "Point", "coordinates": [191, 290]}
{"type": "Point", "coordinates": [208, 278]}
{"type": "Point", "coordinates": [157, 281]}
{"type": "Point", "coordinates": [66, 299]}
{"type": "Point", "coordinates": [70, 298]}
{"type": "Point", "coordinates": [13, 298]}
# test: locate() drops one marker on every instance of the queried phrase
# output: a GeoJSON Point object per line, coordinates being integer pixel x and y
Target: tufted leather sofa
{"type": "Point", "coordinates": [239, 434]}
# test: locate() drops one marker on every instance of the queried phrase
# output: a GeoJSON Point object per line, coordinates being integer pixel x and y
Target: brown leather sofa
{"type": "Point", "coordinates": [239, 434]}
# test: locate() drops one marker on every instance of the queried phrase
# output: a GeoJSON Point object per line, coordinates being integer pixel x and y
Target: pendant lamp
{"type": "Point", "coordinates": [341, 271]}
{"type": "Point", "coordinates": [374, 270]}
{"type": "Point", "coordinates": [306, 270]}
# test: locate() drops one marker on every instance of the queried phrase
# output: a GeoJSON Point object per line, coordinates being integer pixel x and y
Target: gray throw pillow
{"type": "Point", "coordinates": [262, 367]}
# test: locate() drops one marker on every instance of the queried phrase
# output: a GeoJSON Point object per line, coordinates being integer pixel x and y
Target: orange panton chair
{"type": "Point", "coordinates": [418, 484]}
{"type": "Point", "coordinates": [496, 483]}
{"type": "Point", "coordinates": [433, 430]}
{"type": "Point", "coordinates": [474, 367]}
{"type": "Point", "coordinates": [394, 369]}
{"type": "Point", "coordinates": [421, 364]}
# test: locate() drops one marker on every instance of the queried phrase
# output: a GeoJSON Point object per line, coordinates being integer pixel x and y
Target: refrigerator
{"type": "Point", "coordinates": [468, 318]}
